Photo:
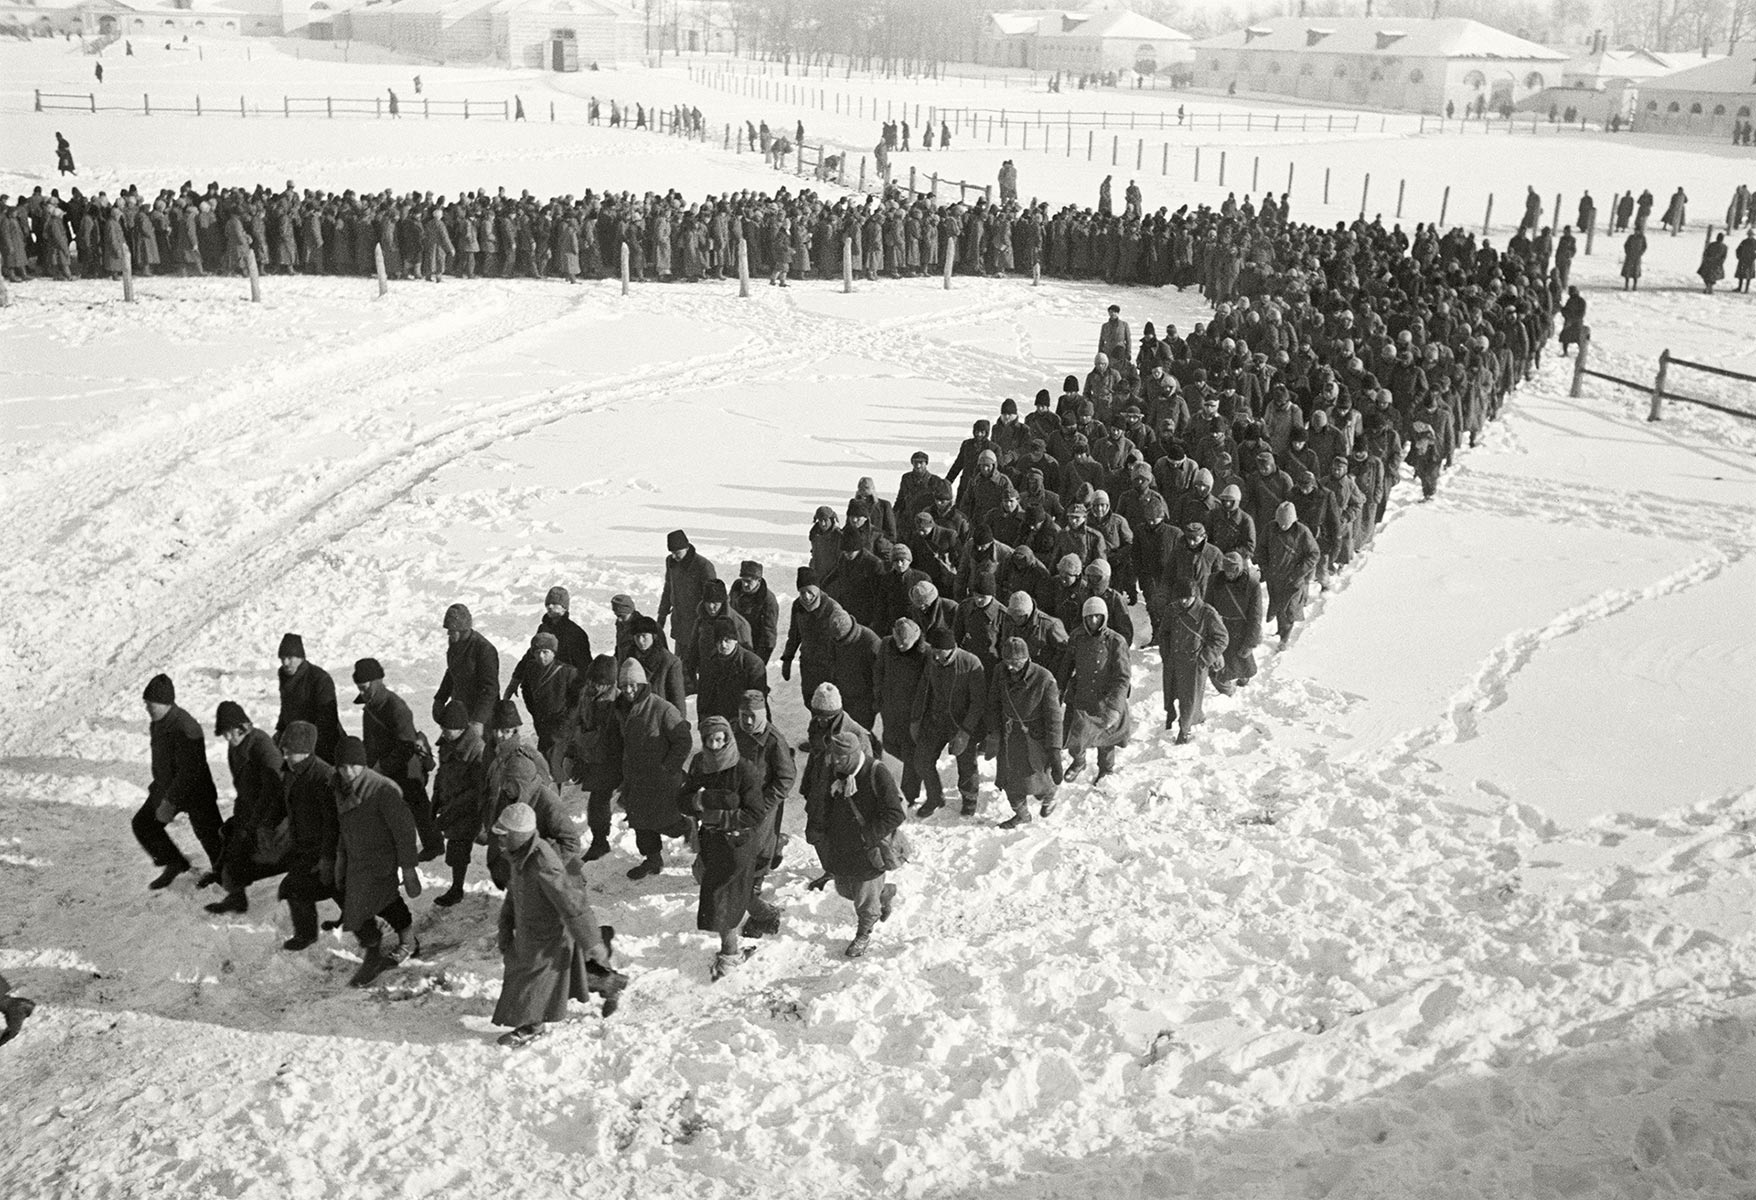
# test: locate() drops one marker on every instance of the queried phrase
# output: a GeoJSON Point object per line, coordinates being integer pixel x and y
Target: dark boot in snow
{"type": "Point", "coordinates": [886, 901]}
{"type": "Point", "coordinates": [599, 848]}
{"type": "Point", "coordinates": [234, 902]}
{"type": "Point", "coordinates": [524, 1035]}
{"type": "Point", "coordinates": [451, 897]}
{"type": "Point", "coordinates": [207, 879]}
{"type": "Point", "coordinates": [15, 1009]}
{"type": "Point", "coordinates": [650, 866]}
{"type": "Point", "coordinates": [166, 876]}
{"type": "Point", "coordinates": [299, 941]}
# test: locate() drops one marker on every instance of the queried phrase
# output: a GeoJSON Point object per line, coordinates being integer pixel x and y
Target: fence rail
{"type": "Point", "coordinates": [1658, 389]}
{"type": "Point", "coordinates": [290, 106]}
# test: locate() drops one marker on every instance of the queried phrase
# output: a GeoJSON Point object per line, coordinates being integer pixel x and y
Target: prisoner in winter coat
{"type": "Point", "coordinates": [375, 843]}
{"type": "Point", "coordinates": [737, 831]}
{"type": "Point", "coordinates": [846, 817]}
{"type": "Point", "coordinates": [1192, 639]}
{"type": "Point", "coordinates": [547, 934]}
{"type": "Point", "coordinates": [1024, 710]}
{"type": "Point", "coordinates": [656, 741]}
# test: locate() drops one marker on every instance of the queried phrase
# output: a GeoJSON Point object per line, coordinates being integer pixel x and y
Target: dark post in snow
{"type": "Point", "coordinates": [255, 276]}
{"type": "Point", "coordinates": [950, 261]}
{"type": "Point", "coordinates": [847, 264]}
{"type": "Point", "coordinates": [378, 262]}
{"type": "Point", "coordinates": [1489, 215]}
{"type": "Point", "coordinates": [127, 274]}
{"type": "Point", "coordinates": [1658, 385]}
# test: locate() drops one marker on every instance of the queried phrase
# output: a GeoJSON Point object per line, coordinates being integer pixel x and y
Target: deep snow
{"type": "Point", "coordinates": [1453, 902]}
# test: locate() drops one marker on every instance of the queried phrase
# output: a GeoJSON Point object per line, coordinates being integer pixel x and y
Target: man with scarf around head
{"type": "Point", "coordinates": [1096, 690]}
{"type": "Point", "coordinates": [307, 693]}
{"type": "Point", "coordinates": [517, 773]}
{"type": "Point", "coordinates": [727, 671]}
{"type": "Point", "coordinates": [181, 783]}
{"type": "Point", "coordinates": [552, 948]}
{"type": "Point", "coordinates": [656, 741]}
{"type": "Point", "coordinates": [724, 793]}
{"type": "Point", "coordinates": [663, 669]}
{"type": "Point", "coordinates": [572, 644]}
{"type": "Point", "coordinates": [374, 849]}
{"type": "Point", "coordinates": [394, 748]}
{"type": "Point", "coordinates": [472, 678]}
{"type": "Point", "coordinates": [810, 635]}
{"type": "Point", "coordinates": [1235, 593]}
{"type": "Point", "coordinates": [1024, 715]}
{"type": "Point", "coordinates": [551, 689]}
{"type": "Point", "coordinates": [1289, 562]}
{"type": "Point", "coordinates": [852, 811]}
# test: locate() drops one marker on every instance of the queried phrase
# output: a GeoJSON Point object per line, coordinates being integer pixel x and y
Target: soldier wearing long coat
{"type": "Point", "coordinates": [1025, 720]}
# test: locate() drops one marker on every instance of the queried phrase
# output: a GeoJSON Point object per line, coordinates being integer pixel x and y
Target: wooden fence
{"type": "Point", "coordinates": [1659, 388]}
{"type": "Point", "coordinates": [290, 106]}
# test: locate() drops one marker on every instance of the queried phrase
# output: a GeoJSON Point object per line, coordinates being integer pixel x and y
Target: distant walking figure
{"type": "Point", "coordinates": [99, 71]}
{"type": "Point", "coordinates": [394, 111]}
{"type": "Point", "coordinates": [518, 108]}
{"type": "Point", "coordinates": [63, 155]}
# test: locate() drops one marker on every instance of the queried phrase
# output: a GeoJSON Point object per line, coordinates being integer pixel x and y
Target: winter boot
{"type": "Point", "coordinates": [207, 879]}
{"type": "Point", "coordinates": [932, 806]}
{"type": "Point", "coordinates": [299, 941]}
{"type": "Point", "coordinates": [15, 1009]}
{"type": "Point", "coordinates": [166, 876]}
{"type": "Point", "coordinates": [861, 943]}
{"type": "Point", "coordinates": [452, 896]}
{"type": "Point", "coordinates": [1048, 805]}
{"type": "Point", "coordinates": [1020, 816]}
{"type": "Point", "coordinates": [407, 946]}
{"type": "Point", "coordinates": [524, 1035]}
{"type": "Point", "coordinates": [599, 848]}
{"type": "Point", "coordinates": [646, 866]}
{"type": "Point", "coordinates": [1076, 768]}
{"type": "Point", "coordinates": [723, 965]}
{"type": "Point", "coordinates": [234, 902]}
{"type": "Point", "coordinates": [611, 987]}
{"type": "Point", "coordinates": [971, 805]}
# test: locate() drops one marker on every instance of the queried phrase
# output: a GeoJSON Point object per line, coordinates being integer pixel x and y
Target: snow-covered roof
{"type": "Point", "coordinates": [1130, 26]}
{"type": "Point", "coordinates": [1734, 75]}
{"type": "Point", "coordinates": [1402, 37]}
{"type": "Point", "coordinates": [1635, 63]}
{"type": "Point", "coordinates": [1021, 21]}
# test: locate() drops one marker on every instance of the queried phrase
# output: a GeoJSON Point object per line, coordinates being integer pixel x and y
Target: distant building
{"type": "Point", "coordinates": [1605, 83]}
{"type": "Point", "coordinates": [1417, 64]}
{"type": "Point", "coordinates": [1098, 38]}
{"type": "Point", "coordinates": [1706, 100]}
{"type": "Point", "coordinates": [519, 33]}
{"type": "Point", "coordinates": [166, 20]}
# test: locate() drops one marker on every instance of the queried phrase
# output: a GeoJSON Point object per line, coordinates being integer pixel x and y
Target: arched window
{"type": "Point", "coordinates": [1475, 79]}
{"type": "Point", "coordinates": [1695, 108]}
{"type": "Point", "coordinates": [1377, 75]}
{"type": "Point", "coordinates": [1674, 107]}
{"type": "Point", "coordinates": [1214, 65]}
{"type": "Point", "coordinates": [1415, 76]}
{"type": "Point", "coordinates": [1719, 110]}
{"type": "Point", "coordinates": [1652, 106]}
{"type": "Point", "coordinates": [1307, 69]}
{"type": "Point", "coordinates": [1744, 111]}
{"type": "Point", "coordinates": [1274, 66]}
{"type": "Point", "coordinates": [1534, 81]}
{"type": "Point", "coordinates": [1341, 70]}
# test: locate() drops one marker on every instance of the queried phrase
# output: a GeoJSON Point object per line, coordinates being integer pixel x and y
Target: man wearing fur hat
{"type": "Point", "coordinates": [551, 944]}
{"type": "Point", "coordinates": [472, 678]}
{"type": "Point", "coordinates": [662, 668]}
{"type": "Point", "coordinates": [626, 613]}
{"type": "Point", "coordinates": [729, 670]}
{"type": "Point", "coordinates": [919, 488]}
{"type": "Point", "coordinates": [902, 659]}
{"type": "Point", "coordinates": [656, 741]}
{"type": "Point", "coordinates": [572, 644]}
{"type": "Point", "coordinates": [1096, 690]}
{"type": "Point", "coordinates": [393, 748]}
{"type": "Point", "coordinates": [257, 810]}
{"type": "Point", "coordinates": [374, 850]}
{"type": "Point", "coordinates": [307, 693]}
{"type": "Point", "coordinates": [686, 576]}
{"type": "Point", "coordinates": [1024, 715]}
{"type": "Point", "coordinates": [810, 635]}
{"type": "Point", "coordinates": [181, 783]}
{"type": "Point", "coordinates": [308, 798]}
{"type": "Point", "coordinates": [751, 599]}
{"type": "Point", "coordinates": [852, 810]}
{"type": "Point", "coordinates": [948, 714]}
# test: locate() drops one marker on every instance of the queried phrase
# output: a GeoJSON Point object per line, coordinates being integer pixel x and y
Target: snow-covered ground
{"type": "Point", "coordinates": [1454, 901]}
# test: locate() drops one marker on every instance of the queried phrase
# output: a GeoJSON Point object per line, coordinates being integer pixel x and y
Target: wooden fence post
{"type": "Point", "coordinates": [39, 98]}
{"type": "Point", "coordinates": [847, 264]}
{"type": "Point", "coordinates": [1139, 153]}
{"type": "Point", "coordinates": [862, 172]}
{"type": "Point", "coordinates": [378, 263]}
{"type": "Point", "coordinates": [329, 106]}
{"type": "Point", "coordinates": [1165, 166]}
{"type": "Point", "coordinates": [127, 274]}
{"type": "Point", "coordinates": [255, 275]}
{"type": "Point", "coordinates": [950, 261]}
{"type": "Point", "coordinates": [743, 268]}
{"type": "Point", "coordinates": [1289, 179]}
{"type": "Point", "coordinates": [1400, 185]}
{"type": "Point", "coordinates": [198, 106]}
{"type": "Point", "coordinates": [1578, 387]}
{"type": "Point", "coordinates": [1198, 164]}
{"type": "Point", "coordinates": [1222, 168]}
{"type": "Point", "coordinates": [145, 104]}
{"type": "Point", "coordinates": [1115, 147]}
{"type": "Point", "coordinates": [1658, 385]}
{"type": "Point", "coordinates": [1590, 229]}
{"type": "Point", "coordinates": [1326, 185]}
{"type": "Point", "coordinates": [624, 268]}
{"type": "Point", "coordinates": [1488, 215]}
{"type": "Point", "coordinates": [1365, 191]}
{"type": "Point", "coordinates": [1090, 143]}
{"type": "Point", "coordinates": [1255, 168]}
{"type": "Point", "coordinates": [1444, 203]}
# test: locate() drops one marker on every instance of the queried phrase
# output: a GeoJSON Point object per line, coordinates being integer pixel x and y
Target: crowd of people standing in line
{"type": "Point", "coordinates": [1187, 495]}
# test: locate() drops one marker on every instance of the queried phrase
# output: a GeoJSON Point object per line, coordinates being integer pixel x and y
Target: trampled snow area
{"type": "Point", "coordinates": [1454, 901]}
